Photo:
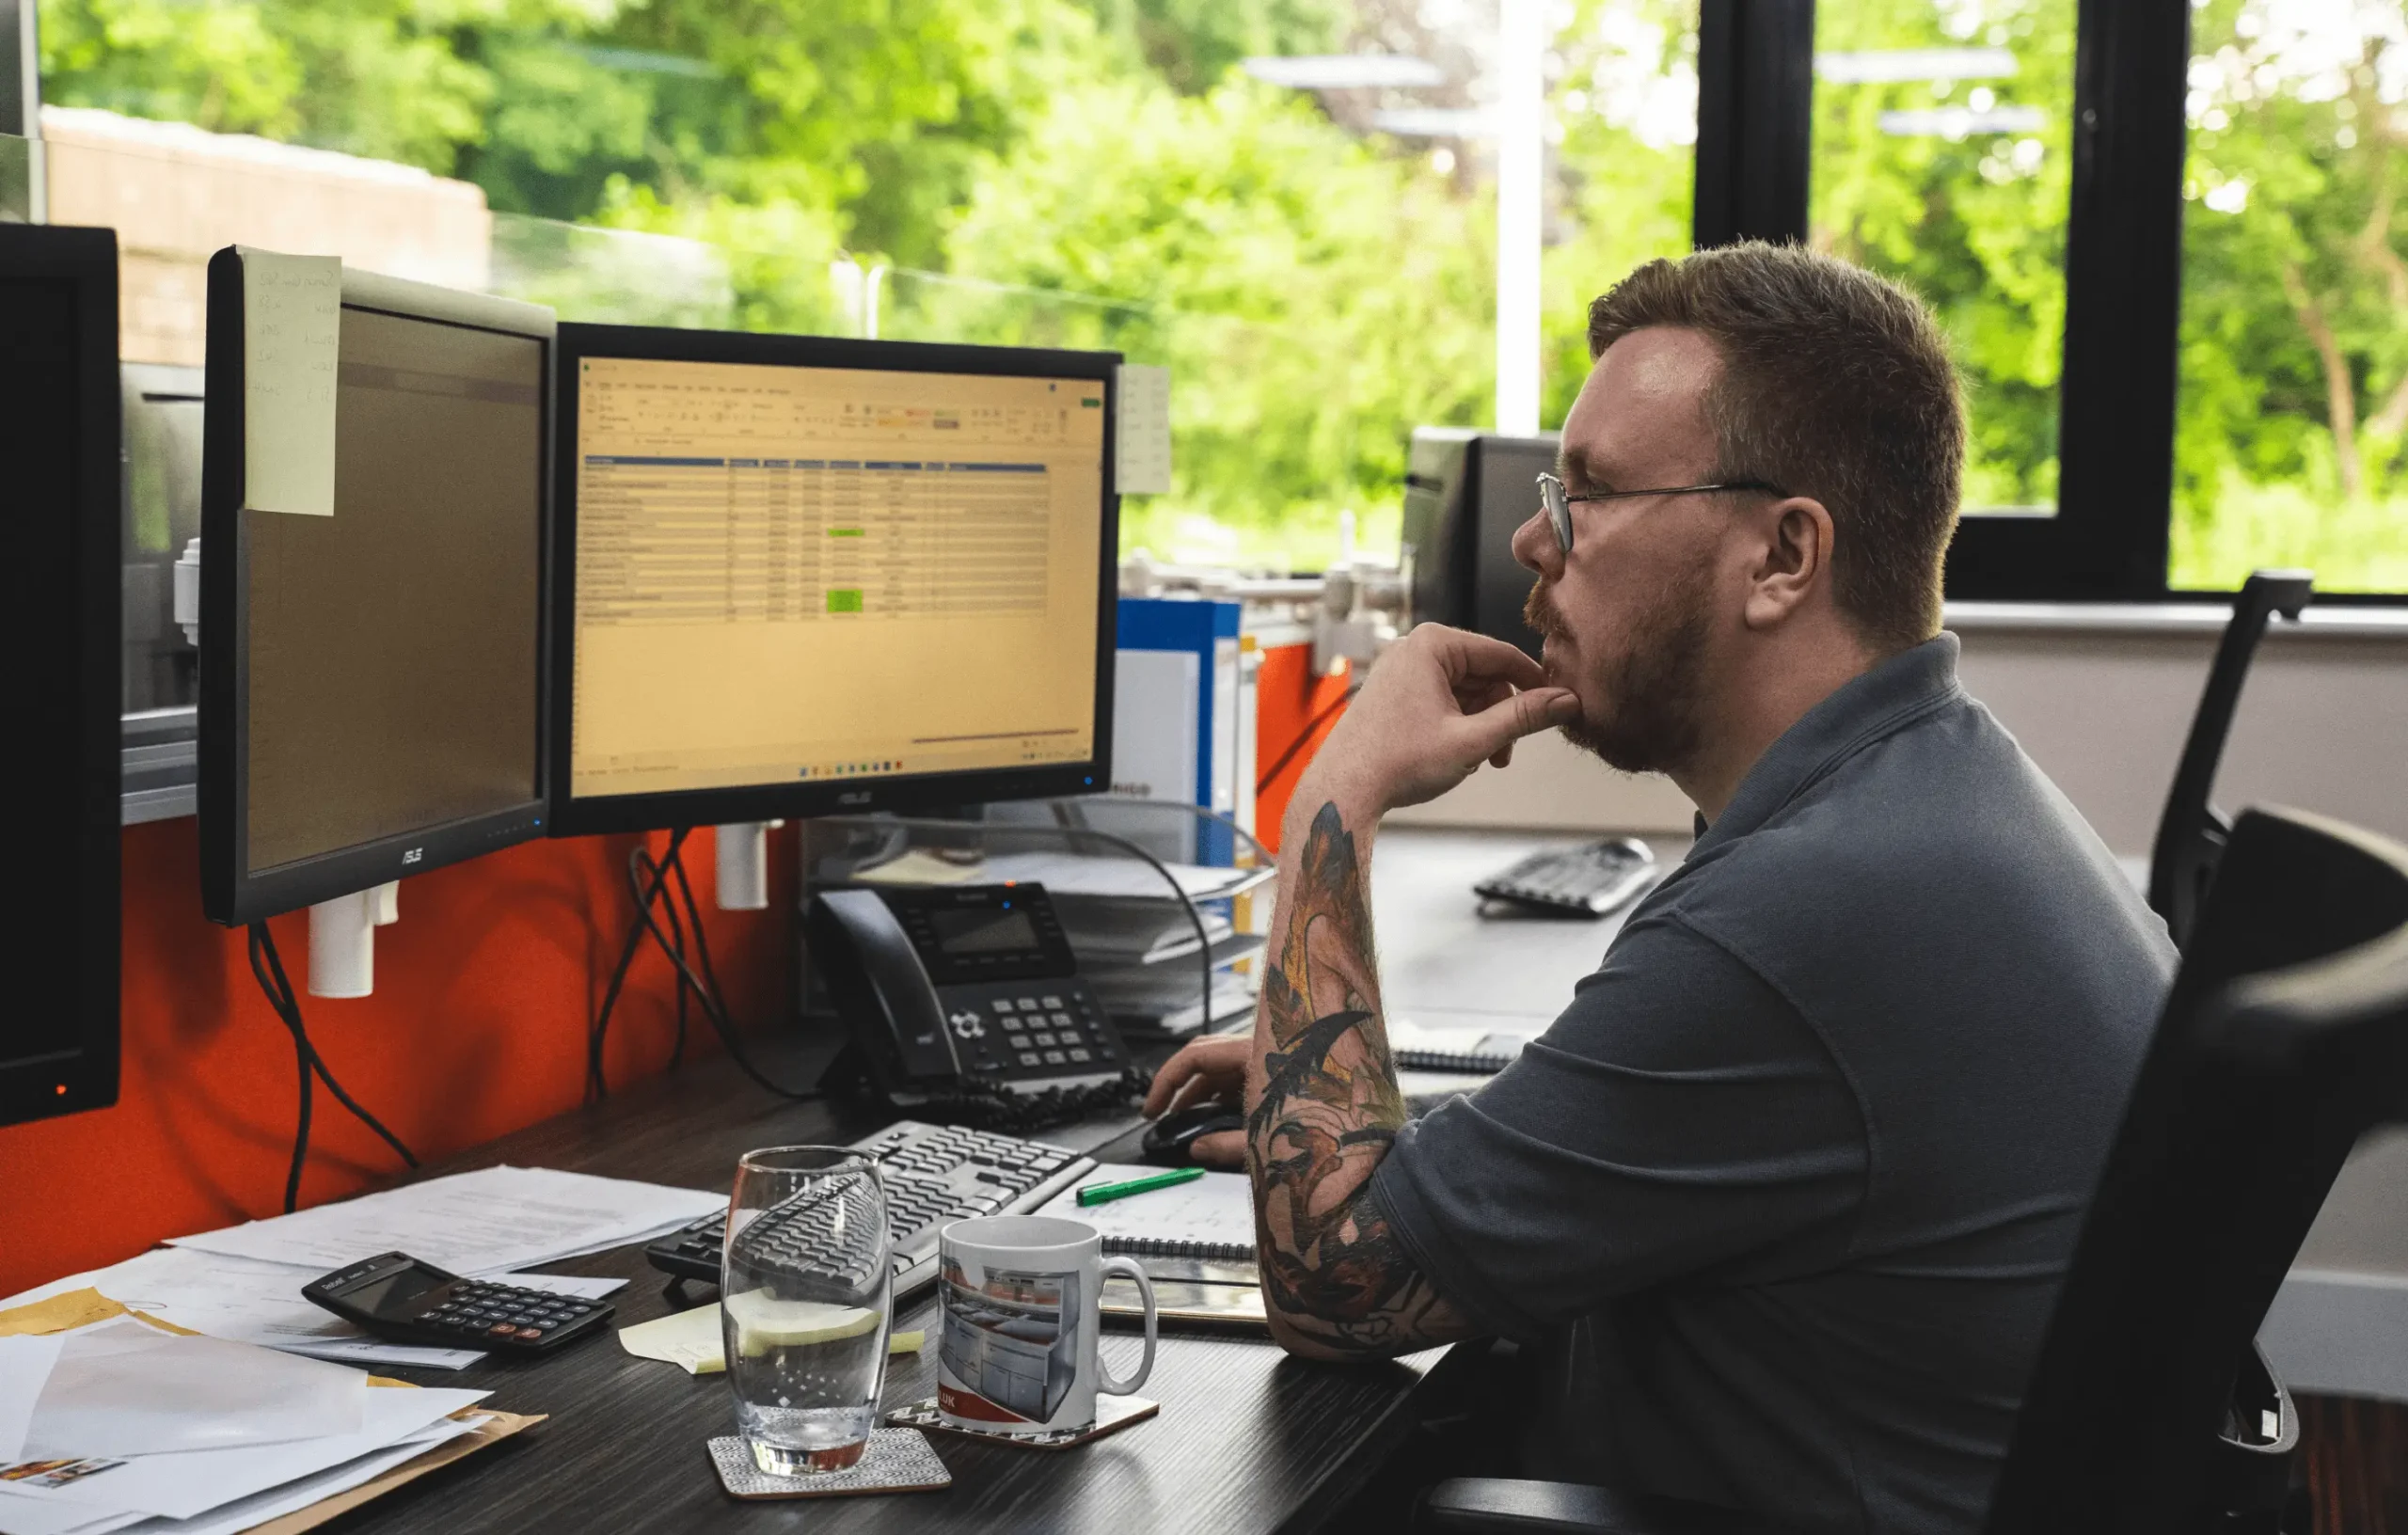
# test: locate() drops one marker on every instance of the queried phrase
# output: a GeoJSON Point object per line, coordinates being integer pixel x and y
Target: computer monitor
{"type": "Point", "coordinates": [372, 682]}
{"type": "Point", "coordinates": [802, 575]}
{"type": "Point", "coordinates": [1464, 493]}
{"type": "Point", "coordinates": [58, 439]}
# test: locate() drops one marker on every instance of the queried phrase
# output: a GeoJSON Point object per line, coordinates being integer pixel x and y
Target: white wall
{"type": "Point", "coordinates": [2102, 701]}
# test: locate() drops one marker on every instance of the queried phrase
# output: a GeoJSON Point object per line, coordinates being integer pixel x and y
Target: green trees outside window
{"type": "Point", "coordinates": [1103, 173]}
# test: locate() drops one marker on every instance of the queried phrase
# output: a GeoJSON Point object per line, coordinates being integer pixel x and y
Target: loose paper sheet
{"type": "Point", "coordinates": [187, 1483]}
{"type": "Point", "coordinates": [291, 336]}
{"type": "Point", "coordinates": [122, 1388]}
{"type": "Point", "coordinates": [486, 1222]}
{"type": "Point", "coordinates": [1143, 453]}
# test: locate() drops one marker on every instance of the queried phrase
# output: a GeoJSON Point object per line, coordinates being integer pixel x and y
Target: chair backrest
{"type": "Point", "coordinates": [2285, 1038]}
{"type": "Point", "coordinates": [2190, 835]}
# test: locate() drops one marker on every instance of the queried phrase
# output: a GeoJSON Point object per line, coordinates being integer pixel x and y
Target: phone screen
{"type": "Point", "coordinates": [971, 930]}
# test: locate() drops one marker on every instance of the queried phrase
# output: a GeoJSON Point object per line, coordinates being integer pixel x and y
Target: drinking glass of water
{"type": "Point", "coordinates": [806, 1286]}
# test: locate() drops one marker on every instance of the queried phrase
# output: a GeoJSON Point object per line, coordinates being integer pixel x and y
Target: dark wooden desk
{"type": "Point", "coordinates": [1248, 1439]}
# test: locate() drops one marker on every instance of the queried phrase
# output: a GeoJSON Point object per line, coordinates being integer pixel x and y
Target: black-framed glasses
{"type": "Point", "coordinates": [1559, 500]}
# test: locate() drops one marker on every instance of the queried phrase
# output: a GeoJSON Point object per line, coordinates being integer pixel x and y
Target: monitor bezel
{"type": "Point", "coordinates": [230, 893]}
{"type": "Point", "coordinates": [574, 817]}
{"type": "Point", "coordinates": [85, 600]}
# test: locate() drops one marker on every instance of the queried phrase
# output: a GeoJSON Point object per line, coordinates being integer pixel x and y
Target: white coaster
{"type": "Point", "coordinates": [896, 1461]}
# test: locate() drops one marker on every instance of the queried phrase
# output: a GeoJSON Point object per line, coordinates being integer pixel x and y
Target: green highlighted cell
{"type": "Point", "coordinates": [844, 532]}
{"type": "Point", "coordinates": [843, 599]}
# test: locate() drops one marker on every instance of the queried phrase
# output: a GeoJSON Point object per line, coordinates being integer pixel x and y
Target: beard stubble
{"type": "Point", "coordinates": [1647, 719]}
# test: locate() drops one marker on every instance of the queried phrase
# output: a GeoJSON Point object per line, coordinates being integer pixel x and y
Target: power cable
{"type": "Point", "coordinates": [267, 968]}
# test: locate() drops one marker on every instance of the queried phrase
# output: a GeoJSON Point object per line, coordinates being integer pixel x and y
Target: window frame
{"type": "Point", "coordinates": [2110, 538]}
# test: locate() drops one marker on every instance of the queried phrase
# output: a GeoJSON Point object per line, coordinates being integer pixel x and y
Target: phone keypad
{"type": "Point", "coordinates": [1002, 1031]}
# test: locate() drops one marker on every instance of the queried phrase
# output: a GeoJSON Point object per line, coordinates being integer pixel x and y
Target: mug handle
{"type": "Point", "coordinates": [1132, 1268]}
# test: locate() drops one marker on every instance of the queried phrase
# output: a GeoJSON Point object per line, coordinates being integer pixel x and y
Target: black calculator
{"type": "Point", "coordinates": [403, 1300]}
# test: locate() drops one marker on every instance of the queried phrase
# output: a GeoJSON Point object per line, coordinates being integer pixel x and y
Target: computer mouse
{"type": "Point", "coordinates": [1170, 1138]}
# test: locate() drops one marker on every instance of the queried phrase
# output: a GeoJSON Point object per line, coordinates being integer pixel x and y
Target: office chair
{"type": "Point", "coordinates": [2150, 1411]}
{"type": "Point", "coordinates": [2191, 836]}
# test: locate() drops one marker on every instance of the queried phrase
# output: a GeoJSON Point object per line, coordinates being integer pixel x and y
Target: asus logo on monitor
{"type": "Point", "coordinates": [858, 796]}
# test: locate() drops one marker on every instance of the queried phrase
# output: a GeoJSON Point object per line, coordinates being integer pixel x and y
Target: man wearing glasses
{"type": "Point", "coordinates": [1780, 1205]}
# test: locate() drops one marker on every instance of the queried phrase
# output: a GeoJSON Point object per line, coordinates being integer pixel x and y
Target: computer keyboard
{"type": "Point", "coordinates": [933, 1174]}
{"type": "Point", "coordinates": [1588, 880]}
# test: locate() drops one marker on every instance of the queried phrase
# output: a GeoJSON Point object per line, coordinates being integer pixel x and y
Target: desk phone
{"type": "Point", "coordinates": [950, 986]}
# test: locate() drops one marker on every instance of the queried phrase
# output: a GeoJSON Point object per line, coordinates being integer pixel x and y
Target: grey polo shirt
{"type": "Point", "coordinates": [1783, 1198]}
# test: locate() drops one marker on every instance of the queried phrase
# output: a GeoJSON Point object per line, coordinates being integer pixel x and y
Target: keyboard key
{"type": "Point", "coordinates": [1052, 1002]}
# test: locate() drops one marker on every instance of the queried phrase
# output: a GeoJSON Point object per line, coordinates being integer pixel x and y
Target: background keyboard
{"type": "Point", "coordinates": [1588, 880]}
{"type": "Point", "coordinates": [933, 1174]}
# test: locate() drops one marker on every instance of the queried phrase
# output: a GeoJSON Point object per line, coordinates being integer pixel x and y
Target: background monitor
{"type": "Point", "coordinates": [1464, 493]}
{"type": "Point", "coordinates": [59, 438]}
{"type": "Point", "coordinates": [372, 682]}
{"type": "Point", "coordinates": [801, 576]}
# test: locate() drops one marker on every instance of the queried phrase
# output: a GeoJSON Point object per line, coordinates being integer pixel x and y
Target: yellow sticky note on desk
{"type": "Point", "coordinates": [691, 1340]}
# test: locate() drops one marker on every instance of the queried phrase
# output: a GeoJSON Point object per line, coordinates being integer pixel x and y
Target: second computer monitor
{"type": "Point", "coordinates": [802, 575]}
{"type": "Point", "coordinates": [370, 681]}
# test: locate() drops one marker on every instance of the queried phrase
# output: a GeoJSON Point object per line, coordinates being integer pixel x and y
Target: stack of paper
{"type": "Point", "coordinates": [120, 1425]}
{"type": "Point", "coordinates": [244, 1283]}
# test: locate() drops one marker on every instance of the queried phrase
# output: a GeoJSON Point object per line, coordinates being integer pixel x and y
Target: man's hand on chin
{"type": "Point", "coordinates": [1439, 702]}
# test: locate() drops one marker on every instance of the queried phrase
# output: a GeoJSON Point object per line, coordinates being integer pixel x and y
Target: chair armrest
{"type": "Point", "coordinates": [1497, 1505]}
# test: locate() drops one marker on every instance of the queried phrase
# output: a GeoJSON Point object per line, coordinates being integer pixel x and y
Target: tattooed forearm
{"type": "Point", "coordinates": [1325, 1109]}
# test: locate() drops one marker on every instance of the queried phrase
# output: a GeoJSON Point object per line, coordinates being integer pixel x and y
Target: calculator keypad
{"type": "Point", "coordinates": [485, 1315]}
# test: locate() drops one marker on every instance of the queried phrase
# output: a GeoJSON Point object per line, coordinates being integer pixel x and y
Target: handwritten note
{"type": "Point", "coordinates": [1142, 456]}
{"type": "Point", "coordinates": [292, 334]}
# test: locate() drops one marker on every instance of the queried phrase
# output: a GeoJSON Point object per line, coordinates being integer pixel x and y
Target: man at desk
{"type": "Point", "coordinates": [1783, 1198]}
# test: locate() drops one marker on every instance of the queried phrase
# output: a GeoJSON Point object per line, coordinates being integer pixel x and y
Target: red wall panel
{"type": "Point", "coordinates": [484, 991]}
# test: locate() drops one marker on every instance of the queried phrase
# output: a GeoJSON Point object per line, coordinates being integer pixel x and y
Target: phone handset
{"type": "Point", "coordinates": [874, 973]}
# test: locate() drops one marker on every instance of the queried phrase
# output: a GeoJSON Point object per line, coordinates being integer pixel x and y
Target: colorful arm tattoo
{"type": "Point", "coordinates": [1325, 1108]}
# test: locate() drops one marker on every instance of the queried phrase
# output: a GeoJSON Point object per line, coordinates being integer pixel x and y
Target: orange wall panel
{"type": "Point", "coordinates": [1289, 699]}
{"type": "Point", "coordinates": [483, 991]}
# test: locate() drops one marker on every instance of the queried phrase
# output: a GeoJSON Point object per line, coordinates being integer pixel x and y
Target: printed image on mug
{"type": "Point", "coordinates": [1011, 1342]}
{"type": "Point", "coordinates": [1021, 1299]}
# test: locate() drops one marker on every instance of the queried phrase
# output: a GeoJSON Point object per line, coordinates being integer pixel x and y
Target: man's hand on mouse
{"type": "Point", "coordinates": [1206, 1070]}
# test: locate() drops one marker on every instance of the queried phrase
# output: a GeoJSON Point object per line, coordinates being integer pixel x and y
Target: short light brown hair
{"type": "Point", "coordinates": [1836, 385]}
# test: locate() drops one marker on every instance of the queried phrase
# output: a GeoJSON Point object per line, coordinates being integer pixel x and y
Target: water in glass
{"type": "Point", "coordinates": [806, 1283]}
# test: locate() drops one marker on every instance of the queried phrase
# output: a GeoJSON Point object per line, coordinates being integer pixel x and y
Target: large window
{"type": "Point", "coordinates": [2293, 404]}
{"type": "Point", "coordinates": [2164, 237]}
{"type": "Point", "coordinates": [1942, 157]}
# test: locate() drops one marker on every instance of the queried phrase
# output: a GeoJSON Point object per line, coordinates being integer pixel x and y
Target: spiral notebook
{"type": "Point", "coordinates": [1485, 1047]}
{"type": "Point", "coordinates": [1210, 1218]}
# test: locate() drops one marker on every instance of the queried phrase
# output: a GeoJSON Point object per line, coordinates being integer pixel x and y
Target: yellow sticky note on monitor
{"type": "Point", "coordinates": [292, 344]}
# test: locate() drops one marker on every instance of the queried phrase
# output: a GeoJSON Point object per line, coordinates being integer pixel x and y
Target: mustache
{"type": "Point", "coordinates": [1538, 611]}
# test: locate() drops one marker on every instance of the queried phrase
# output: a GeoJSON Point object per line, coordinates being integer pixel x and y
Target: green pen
{"type": "Point", "coordinates": [1096, 1193]}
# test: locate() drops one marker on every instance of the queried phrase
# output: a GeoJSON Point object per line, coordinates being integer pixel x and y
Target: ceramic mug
{"type": "Point", "coordinates": [1021, 1299]}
